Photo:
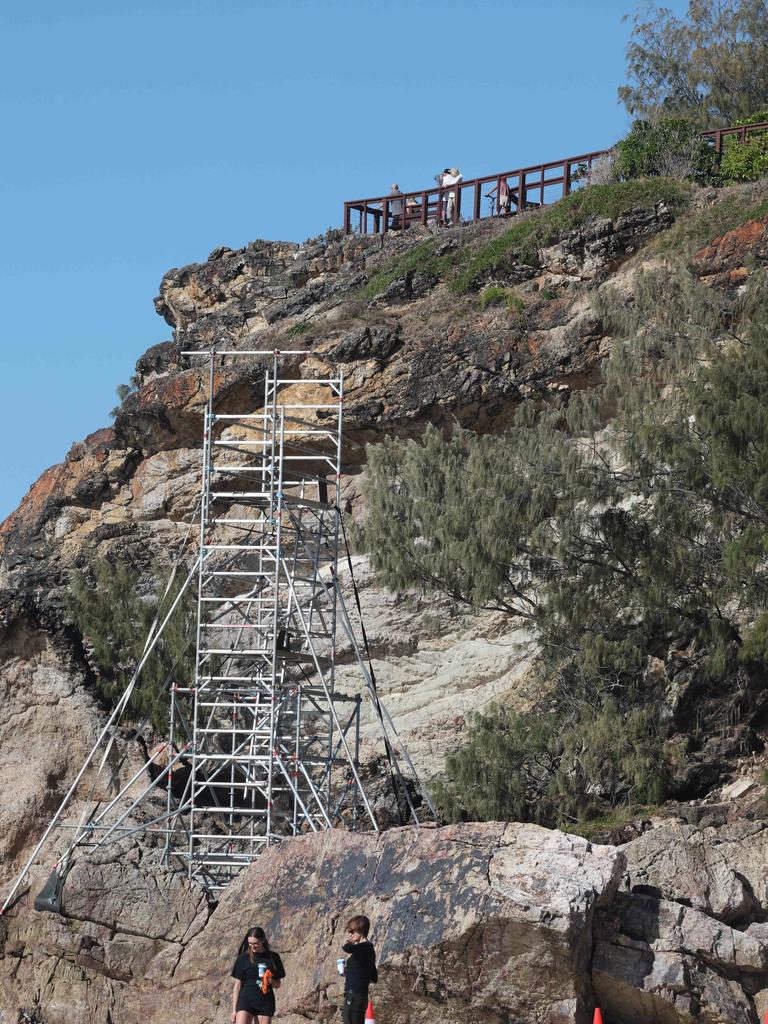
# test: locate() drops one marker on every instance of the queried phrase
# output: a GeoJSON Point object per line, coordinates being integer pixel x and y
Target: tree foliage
{"type": "Point", "coordinates": [614, 544]}
{"type": "Point", "coordinates": [747, 160]}
{"type": "Point", "coordinates": [666, 147]}
{"type": "Point", "coordinates": [553, 767]}
{"type": "Point", "coordinates": [710, 66]}
{"type": "Point", "coordinates": [106, 606]}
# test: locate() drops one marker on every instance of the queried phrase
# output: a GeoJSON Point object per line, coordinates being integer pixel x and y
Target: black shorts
{"type": "Point", "coordinates": [257, 1003]}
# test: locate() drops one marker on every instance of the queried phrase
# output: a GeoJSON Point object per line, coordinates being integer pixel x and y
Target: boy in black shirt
{"type": "Point", "coordinates": [360, 970]}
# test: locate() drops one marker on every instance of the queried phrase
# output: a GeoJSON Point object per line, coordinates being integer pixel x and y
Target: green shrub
{"type": "Point", "coordinates": [502, 771]}
{"type": "Point", "coordinates": [123, 391]}
{"type": "Point", "coordinates": [754, 649]}
{"type": "Point", "coordinates": [553, 768]}
{"type": "Point", "coordinates": [748, 160]}
{"type": "Point", "coordinates": [669, 147]}
{"type": "Point", "coordinates": [496, 296]}
{"type": "Point", "coordinates": [105, 604]}
{"type": "Point", "coordinates": [596, 829]}
{"type": "Point", "coordinates": [466, 267]}
{"type": "Point", "coordinates": [611, 542]}
{"type": "Point", "coordinates": [422, 259]}
{"type": "Point", "coordinates": [328, 236]}
{"type": "Point", "coordinates": [299, 329]}
{"type": "Point", "coordinates": [609, 758]}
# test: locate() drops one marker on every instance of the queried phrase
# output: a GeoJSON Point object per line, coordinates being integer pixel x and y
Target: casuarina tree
{"type": "Point", "coordinates": [710, 66]}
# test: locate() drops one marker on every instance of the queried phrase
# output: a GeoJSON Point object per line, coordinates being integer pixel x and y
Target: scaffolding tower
{"type": "Point", "coordinates": [262, 745]}
{"type": "Point", "coordinates": [274, 747]}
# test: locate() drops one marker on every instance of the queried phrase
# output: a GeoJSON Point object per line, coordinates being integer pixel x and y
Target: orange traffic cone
{"type": "Point", "coordinates": [598, 1018]}
{"type": "Point", "coordinates": [369, 1015]}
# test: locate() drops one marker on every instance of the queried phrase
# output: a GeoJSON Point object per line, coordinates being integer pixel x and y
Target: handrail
{"type": "Point", "coordinates": [742, 130]}
{"type": "Point", "coordinates": [442, 205]}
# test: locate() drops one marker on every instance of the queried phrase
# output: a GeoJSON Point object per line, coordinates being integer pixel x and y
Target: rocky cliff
{"type": "Point", "coordinates": [414, 350]}
{"type": "Point", "coordinates": [487, 922]}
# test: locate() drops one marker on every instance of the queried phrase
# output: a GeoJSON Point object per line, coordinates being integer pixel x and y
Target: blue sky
{"type": "Point", "coordinates": [139, 136]}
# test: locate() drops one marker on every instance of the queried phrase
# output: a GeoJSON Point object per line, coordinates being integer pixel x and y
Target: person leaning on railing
{"type": "Point", "coordinates": [396, 206]}
{"type": "Point", "coordinates": [503, 197]}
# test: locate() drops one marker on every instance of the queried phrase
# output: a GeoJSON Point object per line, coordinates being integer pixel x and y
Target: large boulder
{"type": "Point", "coordinates": [657, 962]}
{"type": "Point", "coordinates": [484, 922]}
{"type": "Point", "coordinates": [686, 941]}
{"type": "Point", "coordinates": [718, 871]}
{"type": "Point", "coordinates": [480, 922]}
{"type": "Point", "coordinates": [125, 918]}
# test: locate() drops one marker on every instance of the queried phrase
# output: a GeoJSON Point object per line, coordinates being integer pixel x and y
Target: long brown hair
{"type": "Point", "coordinates": [253, 933]}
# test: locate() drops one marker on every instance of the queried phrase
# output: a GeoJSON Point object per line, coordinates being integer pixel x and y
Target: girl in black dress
{"type": "Point", "coordinates": [257, 972]}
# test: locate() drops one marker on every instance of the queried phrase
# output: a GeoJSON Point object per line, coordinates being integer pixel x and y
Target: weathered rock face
{"type": "Point", "coordinates": [667, 962]}
{"type": "Point", "coordinates": [657, 961]}
{"type": "Point", "coordinates": [421, 355]}
{"type": "Point", "coordinates": [485, 922]}
{"type": "Point", "coordinates": [126, 920]}
{"type": "Point", "coordinates": [722, 874]}
{"type": "Point", "coordinates": [128, 490]}
{"type": "Point", "coordinates": [596, 250]}
{"type": "Point", "coordinates": [435, 664]}
{"type": "Point", "coordinates": [686, 941]}
{"type": "Point", "coordinates": [47, 726]}
{"type": "Point", "coordinates": [469, 918]}
{"type": "Point", "coordinates": [482, 922]}
{"type": "Point", "coordinates": [728, 261]}
{"type": "Point", "coordinates": [431, 358]}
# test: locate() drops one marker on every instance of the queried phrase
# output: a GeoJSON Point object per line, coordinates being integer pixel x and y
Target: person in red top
{"type": "Point", "coordinates": [503, 197]}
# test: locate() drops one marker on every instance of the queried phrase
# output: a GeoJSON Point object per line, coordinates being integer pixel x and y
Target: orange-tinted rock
{"type": "Point", "coordinates": [33, 502]}
{"type": "Point", "coordinates": [80, 480]}
{"type": "Point", "coordinates": [722, 264]}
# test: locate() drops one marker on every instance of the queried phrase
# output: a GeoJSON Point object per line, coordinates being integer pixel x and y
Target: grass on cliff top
{"type": "Point", "coordinates": [462, 266]}
{"type": "Point", "coordinates": [423, 259]}
{"type": "Point", "coordinates": [538, 229]}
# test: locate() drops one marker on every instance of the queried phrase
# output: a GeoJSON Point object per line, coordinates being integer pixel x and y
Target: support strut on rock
{"type": "Point", "coordinates": [48, 900]}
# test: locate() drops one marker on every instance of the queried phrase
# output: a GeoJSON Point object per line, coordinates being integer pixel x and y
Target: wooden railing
{"type": "Point", "coordinates": [718, 134]}
{"type": "Point", "coordinates": [532, 186]}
